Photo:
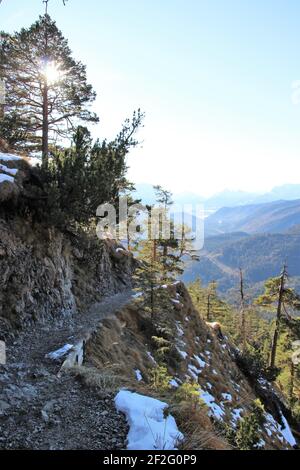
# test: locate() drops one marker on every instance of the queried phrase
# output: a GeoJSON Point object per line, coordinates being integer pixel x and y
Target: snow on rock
{"type": "Point", "coordinates": [8, 178]}
{"type": "Point", "coordinates": [215, 372]}
{"type": "Point", "coordinates": [59, 352]}
{"type": "Point", "coordinates": [183, 354]}
{"type": "Point", "coordinates": [215, 409]}
{"type": "Point", "coordinates": [138, 375]}
{"type": "Point", "coordinates": [10, 171]}
{"type": "Point", "coordinates": [118, 250]}
{"type": "Point", "coordinates": [149, 429]}
{"type": "Point", "coordinates": [7, 157]}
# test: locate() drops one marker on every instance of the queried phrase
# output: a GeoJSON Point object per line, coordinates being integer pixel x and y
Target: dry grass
{"type": "Point", "coordinates": [105, 380]}
{"type": "Point", "coordinates": [199, 433]}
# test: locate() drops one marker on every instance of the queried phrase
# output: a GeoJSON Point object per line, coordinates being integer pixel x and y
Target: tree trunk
{"type": "Point", "coordinates": [208, 308]}
{"type": "Point", "coordinates": [243, 319]}
{"type": "Point", "coordinates": [278, 318]}
{"type": "Point", "coordinates": [292, 368]}
{"type": "Point", "coordinates": [45, 137]}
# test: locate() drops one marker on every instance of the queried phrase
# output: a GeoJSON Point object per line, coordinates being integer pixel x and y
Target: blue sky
{"type": "Point", "coordinates": [214, 78]}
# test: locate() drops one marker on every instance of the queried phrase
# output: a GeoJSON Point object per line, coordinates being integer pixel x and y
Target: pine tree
{"type": "Point", "coordinates": [278, 297]}
{"type": "Point", "coordinates": [81, 178]}
{"type": "Point", "coordinates": [47, 92]}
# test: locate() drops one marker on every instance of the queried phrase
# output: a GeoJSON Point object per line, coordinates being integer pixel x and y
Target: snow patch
{"type": "Point", "coordinates": [227, 396]}
{"type": "Point", "coordinates": [236, 415]}
{"type": "Point", "coordinates": [215, 409]}
{"type": "Point", "coordinates": [151, 357]}
{"type": "Point", "coordinates": [8, 178]}
{"type": "Point", "coordinates": [286, 432]}
{"type": "Point", "coordinates": [183, 354]}
{"type": "Point", "coordinates": [200, 361]}
{"type": "Point", "coordinates": [149, 429]}
{"type": "Point", "coordinates": [10, 171]}
{"type": "Point", "coordinates": [59, 352]}
{"type": "Point", "coordinates": [138, 375]}
{"type": "Point", "coordinates": [173, 383]}
{"type": "Point", "coordinates": [194, 372]}
{"type": "Point", "coordinates": [7, 157]}
{"type": "Point", "coordinates": [179, 329]}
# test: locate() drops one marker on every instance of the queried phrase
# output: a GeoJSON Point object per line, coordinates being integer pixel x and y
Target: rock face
{"type": "Point", "coordinates": [44, 273]}
{"type": "Point", "coordinates": [14, 171]}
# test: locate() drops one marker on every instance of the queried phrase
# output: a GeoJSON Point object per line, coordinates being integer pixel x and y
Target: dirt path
{"type": "Point", "coordinates": [38, 409]}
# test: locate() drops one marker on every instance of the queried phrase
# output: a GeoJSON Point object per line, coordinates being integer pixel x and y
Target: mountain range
{"type": "Point", "coordinates": [226, 198]}
{"type": "Point", "coordinates": [271, 217]}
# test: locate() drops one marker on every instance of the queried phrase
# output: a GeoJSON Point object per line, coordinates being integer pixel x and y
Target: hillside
{"type": "Point", "coordinates": [83, 349]}
{"type": "Point", "coordinates": [225, 198]}
{"type": "Point", "coordinates": [119, 352]}
{"type": "Point", "coordinates": [260, 256]}
{"type": "Point", "coordinates": [273, 217]}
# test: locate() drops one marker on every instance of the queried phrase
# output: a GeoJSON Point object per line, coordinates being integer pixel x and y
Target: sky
{"type": "Point", "coordinates": [218, 80]}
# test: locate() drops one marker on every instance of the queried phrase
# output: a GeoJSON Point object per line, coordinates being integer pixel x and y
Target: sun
{"type": "Point", "coordinates": [52, 73]}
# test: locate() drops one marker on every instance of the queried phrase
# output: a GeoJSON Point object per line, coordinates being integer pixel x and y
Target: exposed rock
{"type": "Point", "coordinates": [44, 274]}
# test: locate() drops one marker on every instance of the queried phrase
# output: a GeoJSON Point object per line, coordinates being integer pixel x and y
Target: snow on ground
{"type": "Point", "coordinates": [200, 361]}
{"type": "Point", "coordinates": [138, 375]}
{"type": "Point", "coordinates": [209, 385]}
{"type": "Point", "coordinates": [151, 357]}
{"type": "Point", "coordinates": [285, 432]}
{"type": "Point", "coordinates": [179, 329]}
{"type": "Point", "coordinates": [236, 415]}
{"type": "Point", "coordinates": [59, 352]}
{"type": "Point", "coordinates": [173, 383]}
{"type": "Point", "coordinates": [194, 372]}
{"type": "Point", "coordinates": [215, 372]}
{"type": "Point", "coordinates": [227, 396]}
{"type": "Point", "coordinates": [118, 250]}
{"type": "Point", "coordinates": [215, 409]}
{"type": "Point", "coordinates": [138, 294]}
{"type": "Point", "coordinates": [183, 354]}
{"type": "Point", "coordinates": [148, 428]}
